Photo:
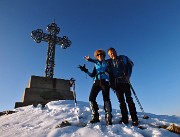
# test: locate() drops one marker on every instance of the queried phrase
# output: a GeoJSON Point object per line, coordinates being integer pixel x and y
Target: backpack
{"type": "Point", "coordinates": [127, 64]}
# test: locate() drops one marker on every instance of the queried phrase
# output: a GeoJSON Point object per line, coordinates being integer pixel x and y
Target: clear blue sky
{"type": "Point", "coordinates": [147, 31]}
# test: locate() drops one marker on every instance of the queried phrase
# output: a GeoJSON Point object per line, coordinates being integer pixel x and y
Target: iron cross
{"type": "Point", "coordinates": [52, 40]}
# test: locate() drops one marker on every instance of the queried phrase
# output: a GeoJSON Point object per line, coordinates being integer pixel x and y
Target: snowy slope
{"type": "Point", "coordinates": [37, 122]}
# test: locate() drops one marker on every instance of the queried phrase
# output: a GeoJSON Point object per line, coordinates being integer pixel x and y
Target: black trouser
{"type": "Point", "coordinates": [97, 87]}
{"type": "Point", "coordinates": [121, 90]}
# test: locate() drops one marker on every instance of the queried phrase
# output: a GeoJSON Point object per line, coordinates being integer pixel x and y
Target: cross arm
{"type": "Point", "coordinates": [64, 42]}
{"type": "Point", "coordinates": [37, 35]}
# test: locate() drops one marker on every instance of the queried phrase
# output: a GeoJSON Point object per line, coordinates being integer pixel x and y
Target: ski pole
{"type": "Point", "coordinates": [145, 116]}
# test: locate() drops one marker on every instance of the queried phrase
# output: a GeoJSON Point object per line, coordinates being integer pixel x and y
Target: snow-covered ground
{"type": "Point", "coordinates": [37, 122]}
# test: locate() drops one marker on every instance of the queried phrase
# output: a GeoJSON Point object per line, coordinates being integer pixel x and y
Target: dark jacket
{"type": "Point", "coordinates": [120, 67]}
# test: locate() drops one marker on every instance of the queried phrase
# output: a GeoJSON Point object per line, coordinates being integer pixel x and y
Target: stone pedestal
{"type": "Point", "coordinates": [41, 90]}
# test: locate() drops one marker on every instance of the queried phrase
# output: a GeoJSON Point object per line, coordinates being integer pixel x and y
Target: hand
{"type": "Point", "coordinates": [86, 58]}
{"type": "Point", "coordinates": [83, 68]}
{"type": "Point", "coordinates": [127, 78]}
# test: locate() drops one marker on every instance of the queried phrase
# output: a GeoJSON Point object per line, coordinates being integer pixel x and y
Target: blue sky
{"type": "Point", "coordinates": [147, 31]}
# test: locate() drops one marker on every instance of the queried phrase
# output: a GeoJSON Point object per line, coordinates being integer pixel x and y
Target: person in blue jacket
{"type": "Point", "coordinates": [121, 69]}
{"type": "Point", "coordinates": [101, 83]}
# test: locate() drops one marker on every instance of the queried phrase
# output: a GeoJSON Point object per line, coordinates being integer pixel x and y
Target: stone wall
{"type": "Point", "coordinates": [41, 90]}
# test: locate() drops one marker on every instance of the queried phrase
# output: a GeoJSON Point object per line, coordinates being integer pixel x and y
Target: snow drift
{"type": "Point", "coordinates": [41, 122]}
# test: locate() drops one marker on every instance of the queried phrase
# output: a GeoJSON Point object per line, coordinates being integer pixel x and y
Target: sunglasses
{"type": "Point", "coordinates": [99, 54]}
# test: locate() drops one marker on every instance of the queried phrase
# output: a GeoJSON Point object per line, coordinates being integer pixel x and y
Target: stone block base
{"type": "Point", "coordinates": [41, 90]}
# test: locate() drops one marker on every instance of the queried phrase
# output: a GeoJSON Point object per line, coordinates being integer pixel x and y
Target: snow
{"type": "Point", "coordinates": [32, 121]}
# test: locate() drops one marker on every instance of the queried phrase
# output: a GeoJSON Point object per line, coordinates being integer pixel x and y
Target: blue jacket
{"type": "Point", "coordinates": [100, 70]}
{"type": "Point", "coordinates": [120, 67]}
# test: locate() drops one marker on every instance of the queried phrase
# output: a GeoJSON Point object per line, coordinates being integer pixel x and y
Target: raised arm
{"type": "Point", "coordinates": [88, 58]}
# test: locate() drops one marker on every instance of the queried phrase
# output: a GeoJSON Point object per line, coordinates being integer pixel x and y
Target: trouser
{"type": "Point", "coordinates": [96, 88]}
{"type": "Point", "coordinates": [123, 89]}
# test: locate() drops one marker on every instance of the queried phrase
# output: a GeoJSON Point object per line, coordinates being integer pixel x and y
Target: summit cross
{"type": "Point", "coordinates": [52, 40]}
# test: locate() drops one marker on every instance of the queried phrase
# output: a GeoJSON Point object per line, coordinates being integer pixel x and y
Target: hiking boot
{"type": "Point", "coordinates": [108, 119]}
{"type": "Point", "coordinates": [95, 114]}
{"type": "Point", "coordinates": [94, 120]}
{"type": "Point", "coordinates": [135, 123]}
{"type": "Point", "coordinates": [108, 123]}
{"type": "Point", "coordinates": [108, 110]}
{"type": "Point", "coordinates": [125, 121]}
{"type": "Point", "coordinates": [106, 116]}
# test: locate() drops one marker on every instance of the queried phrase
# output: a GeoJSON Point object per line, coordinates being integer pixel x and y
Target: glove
{"type": "Point", "coordinates": [83, 68]}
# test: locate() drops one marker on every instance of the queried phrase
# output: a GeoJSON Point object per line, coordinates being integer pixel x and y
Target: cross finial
{"type": "Point", "coordinates": [54, 19]}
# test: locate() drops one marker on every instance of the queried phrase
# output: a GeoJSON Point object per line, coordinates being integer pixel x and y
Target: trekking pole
{"type": "Point", "coordinates": [72, 85]}
{"type": "Point", "coordinates": [145, 116]}
{"type": "Point", "coordinates": [65, 122]}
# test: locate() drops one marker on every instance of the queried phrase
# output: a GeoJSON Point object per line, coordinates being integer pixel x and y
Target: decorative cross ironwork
{"type": "Point", "coordinates": [52, 40]}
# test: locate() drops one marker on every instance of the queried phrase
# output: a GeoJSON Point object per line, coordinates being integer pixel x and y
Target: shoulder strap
{"type": "Point", "coordinates": [122, 59]}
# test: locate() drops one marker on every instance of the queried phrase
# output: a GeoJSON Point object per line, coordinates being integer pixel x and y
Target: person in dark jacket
{"type": "Point", "coordinates": [101, 83]}
{"type": "Point", "coordinates": [121, 68]}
